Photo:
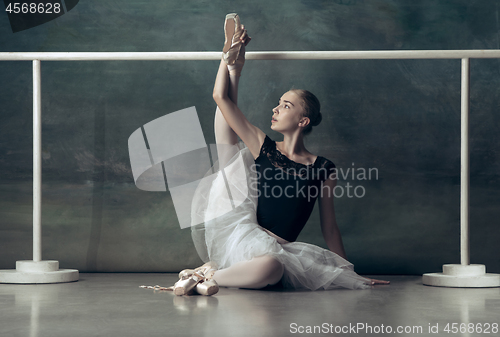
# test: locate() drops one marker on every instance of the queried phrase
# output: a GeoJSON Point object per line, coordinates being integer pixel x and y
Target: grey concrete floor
{"type": "Point", "coordinates": [114, 305]}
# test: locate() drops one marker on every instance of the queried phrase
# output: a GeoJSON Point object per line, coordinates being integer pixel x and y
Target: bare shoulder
{"type": "Point", "coordinates": [255, 140]}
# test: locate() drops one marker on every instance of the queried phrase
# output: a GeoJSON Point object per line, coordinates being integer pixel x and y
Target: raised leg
{"type": "Point", "coordinates": [253, 274]}
{"type": "Point", "coordinates": [223, 132]}
{"type": "Point", "coordinates": [225, 137]}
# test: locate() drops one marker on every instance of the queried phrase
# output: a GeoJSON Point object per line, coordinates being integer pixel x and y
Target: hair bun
{"type": "Point", "coordinates": [317, 120]}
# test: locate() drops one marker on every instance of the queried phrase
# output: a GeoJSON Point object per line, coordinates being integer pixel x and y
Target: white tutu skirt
{"type": "Point", "coordinates": [225, 230]}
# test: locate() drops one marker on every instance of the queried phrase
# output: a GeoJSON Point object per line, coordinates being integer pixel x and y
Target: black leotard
{"type": "Point", "coordinates": [287, 190]}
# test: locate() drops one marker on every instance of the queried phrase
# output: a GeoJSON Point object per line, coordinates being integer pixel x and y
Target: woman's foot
{"type": "Point", "coordinates": [374, 281]}
{"type": "Point", "coordinates": [186, 285]}
{"type": "Point", "coordinates": [186, 273]}
{"type": "Point", "coordinates": [233, 30]}
{"type": "Point", "coordinates": [235, 69]}
{"type": "Point", "coordinates": [210, 264]}
{"type": "Point", "coordinates": [208, 286]}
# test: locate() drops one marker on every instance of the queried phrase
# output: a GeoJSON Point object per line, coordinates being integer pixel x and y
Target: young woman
{"type": "Point", "coordinates": [253, 245]}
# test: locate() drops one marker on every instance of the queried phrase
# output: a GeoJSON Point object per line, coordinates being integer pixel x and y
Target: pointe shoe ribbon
{"type": "Point", "coordinates": [208, 286]}
{"type": "Point", "coordinates": [235, 69]}
{"type": "Point", "coordinates": [171, 288]}
{"type": "Point", "coordinates": [193, 281]}
{"type": "Point", "coordinates": [203, 269]}
{"type": "Point", "coordinates": [184, 286]}
{"type": "Point", "coordinates": [232, 45]}
{"type": "Point", "coordinates": [184, 274]}
{"type": "Point", "coordinates": [157, 287]}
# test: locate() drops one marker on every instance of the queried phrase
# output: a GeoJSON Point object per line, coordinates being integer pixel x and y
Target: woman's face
{"type": "Point", "coordinates": [288, 114]}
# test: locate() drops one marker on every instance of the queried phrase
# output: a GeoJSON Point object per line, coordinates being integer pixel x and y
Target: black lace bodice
{"type": "Point", "coordinates": [287, 190]}
{"type": "Point", "coordinates": [279, 160]}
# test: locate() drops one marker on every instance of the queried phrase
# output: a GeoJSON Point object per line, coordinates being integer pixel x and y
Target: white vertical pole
{"type": "Point", "coordinates": [37, 162]}
{"type": "Point", "coordinates": [37, 271]}
{"type": "Point", "coordinates": [464, 166]}
{"type": "Point", "coordinates": [464, 275]}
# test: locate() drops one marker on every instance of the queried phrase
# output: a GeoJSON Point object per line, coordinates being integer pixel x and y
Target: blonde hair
{"type": "Point", "coordinates": [312, 108]}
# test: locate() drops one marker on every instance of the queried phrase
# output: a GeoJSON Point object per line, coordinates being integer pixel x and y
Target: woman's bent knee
{"type": "Point", "coordinates": [270, 271]}
{"type": "Point", "coordinates": [278, 269]}
{"type": "Point", "coordinates": [274, 265]}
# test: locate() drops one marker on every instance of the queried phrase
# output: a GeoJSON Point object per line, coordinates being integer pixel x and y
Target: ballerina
{"type": "Point", "coordinates": [254, 246]}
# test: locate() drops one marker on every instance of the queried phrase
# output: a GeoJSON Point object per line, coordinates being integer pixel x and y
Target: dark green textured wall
{"type": "Point", "coordinates": [399, 116]}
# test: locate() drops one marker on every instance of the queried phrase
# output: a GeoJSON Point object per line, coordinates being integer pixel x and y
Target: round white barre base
{"type": "Point", "coordinates": [31, 272]}
{"type": "Point", "coordinates": [459, 276]}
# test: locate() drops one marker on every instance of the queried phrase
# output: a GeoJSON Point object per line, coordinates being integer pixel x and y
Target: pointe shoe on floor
{"type": "Point", "coordinates": [184, 286]}
{"type": "Point", "coordinates": [184, 274]}
{"type": "Point", "coordinates": [207, 287]}
{"type": "Point", "coordinates": [232, 44]}
{"type": "Point", "coordinates": [208, 269]}
{"type": "Point", "coordinates": [204, 268]}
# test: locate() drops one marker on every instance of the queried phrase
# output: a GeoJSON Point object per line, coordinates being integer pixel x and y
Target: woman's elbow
{"type": "Point", "coordinates": [217, 96]}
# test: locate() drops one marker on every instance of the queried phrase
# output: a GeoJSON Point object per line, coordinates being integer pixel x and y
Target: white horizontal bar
{"type": "Point", "coordinates": [259, 55]}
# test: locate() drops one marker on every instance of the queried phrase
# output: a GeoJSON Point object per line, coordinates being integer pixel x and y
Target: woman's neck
{"type": "Point", "coordinates": [293, 148]}
{"type": "Point", "coordinates": [292, 145]}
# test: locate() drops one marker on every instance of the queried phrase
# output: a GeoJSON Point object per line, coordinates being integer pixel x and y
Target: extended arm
{"type": "Point", "coordinates": [329, 226]}
{"type": "Point", "coordinates": [252, 136]}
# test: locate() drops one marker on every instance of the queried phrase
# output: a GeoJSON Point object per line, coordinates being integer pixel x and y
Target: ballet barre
{"type": "Point", "coordinates": [257, 55]}
{"type": "Point", "coordinates": [454, 275]}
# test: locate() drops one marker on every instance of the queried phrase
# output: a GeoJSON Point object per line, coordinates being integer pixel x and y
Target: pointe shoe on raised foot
{"type": "Point", "coordinates": [232, 45]}
{"type": "Point", "coordinates": [235, 69]}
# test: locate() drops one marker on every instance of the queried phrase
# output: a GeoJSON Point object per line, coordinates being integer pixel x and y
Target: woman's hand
{"type": "Point", "coordinates": [244, 37]}
{"type": "Point", "coordinates": [236, 68]}
{"type": "Point", "coordinates": [374, 281]}
{"type": "Point", "coordinates": [252, 136]}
